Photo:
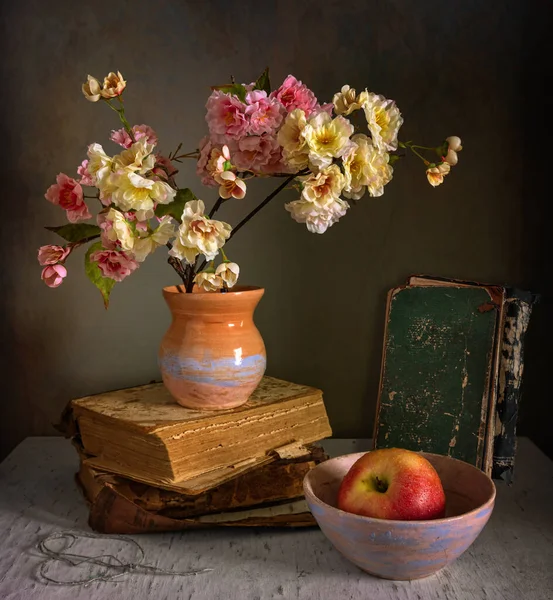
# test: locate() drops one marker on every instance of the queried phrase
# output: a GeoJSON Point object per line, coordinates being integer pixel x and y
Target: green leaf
{"type": "Point", "coordinates": [104, 284]}
{"type": "Point", "coordinates": [393, 158]}
{"type": "Point", "coordinates": [76, 232]}
{"type": "Point", "coordinates": [177, 206]}
{"type": "Point", "coordinates": [263, 82]}
{"type": "Point", "coordinates": [236, 89]}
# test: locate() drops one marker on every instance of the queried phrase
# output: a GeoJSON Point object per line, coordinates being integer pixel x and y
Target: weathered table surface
{"type": "Point", "coordinates": [512, 558]}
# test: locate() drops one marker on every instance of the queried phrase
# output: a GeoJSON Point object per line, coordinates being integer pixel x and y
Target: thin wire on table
{"type": "Point", "coordinates": [113, 566]}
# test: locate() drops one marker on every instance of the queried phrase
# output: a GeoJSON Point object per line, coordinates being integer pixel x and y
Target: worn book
{"type": "Point", "coordinates": [143, 434]}
{"type": "Point", "coordinates": [508, 364]}
{"type": "Point", "coordinates": [518, 309]}
{"type": "Point", "coordinates": [437, 378]}
{"type": "Point", "coordinates": [271, 495]}
{"type": "Point", "coordinates": [513, 308]}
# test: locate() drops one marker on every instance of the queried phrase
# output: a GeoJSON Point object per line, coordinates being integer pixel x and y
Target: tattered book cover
{"type": "Point", "coordinates": [439, 347]}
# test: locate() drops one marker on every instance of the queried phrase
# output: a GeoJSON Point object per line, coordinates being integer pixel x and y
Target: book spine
{"type": "Point", "coordinates": [499, 299]}
{"type": "Point", "coordinates": [518, 311]}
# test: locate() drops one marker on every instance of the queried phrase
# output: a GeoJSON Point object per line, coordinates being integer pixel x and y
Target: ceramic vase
{"type": "Point", "coordinates": [212, 357]}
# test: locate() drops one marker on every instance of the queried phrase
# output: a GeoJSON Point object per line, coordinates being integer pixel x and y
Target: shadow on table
{"type": "Point", "coordinates": [297, 553]}
{"type": "Point", "coordinates": [47, 496]}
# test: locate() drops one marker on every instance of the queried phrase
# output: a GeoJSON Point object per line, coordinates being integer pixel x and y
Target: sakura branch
{"type": "Point", "coordinates": [329, 153]}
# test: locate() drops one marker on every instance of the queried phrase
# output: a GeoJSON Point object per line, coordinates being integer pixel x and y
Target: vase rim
{"type": "Point", "coordinates": [172, 291]}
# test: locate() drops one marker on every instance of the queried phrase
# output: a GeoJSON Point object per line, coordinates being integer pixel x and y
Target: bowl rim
{"type": "Point", "coordinates": [410, 523]}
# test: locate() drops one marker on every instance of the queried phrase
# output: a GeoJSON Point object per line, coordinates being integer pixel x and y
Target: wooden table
{"type": "Point", "coordinates": [512, 558]}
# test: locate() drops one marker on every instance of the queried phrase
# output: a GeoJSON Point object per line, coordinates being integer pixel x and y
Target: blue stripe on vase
{"type": "Point", "coordinates": [236, 372]}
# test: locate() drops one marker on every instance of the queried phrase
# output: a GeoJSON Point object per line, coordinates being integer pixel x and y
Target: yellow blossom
{"type": "Point", "coordinates": [230, 185]}
{"type": "Point", "coordinates": [384, 120]}
{"type": "Point", "coordinates": [131, 191]}
{"type": "Point", "coordinates": [114, 84]}
{"type": "Point", "coordinates": [99, 164]}
{"type": "Point", "coordinates": [208, 281]}
{"type": "Point", "coordinates": [228, 272]}
{"type": "Point", "coordinates": [217, 159]}
{"type": "Point", "coordinates": [365, 166]}
{"type": "Point", "coordinates": [324, 187]}
{"type": "Point", "coordinates": [454, 142]}
{"type": "Point", "coordinates": [294, 147]}
{"type": "Point", "coordinates": [92, 89]}
{"type": "Point", "coordinates": [143, 246]}
{"type": "Point", "coordinates": [139, 157]}
{"type": "Point", "coordinates": [454, 146]}
{"type": "Point", "coordinates": [435, 175]}
{"type": "Point", "coordinates": [199, 234]}
{"type": "Point", "coordinates": [326, 138]}
{"type": "Point", "coordinates": [317, 219]}
{"type": "Point", "coordinates": [120, 230]}
{"type": "Point", "coordinates": [347, 100]}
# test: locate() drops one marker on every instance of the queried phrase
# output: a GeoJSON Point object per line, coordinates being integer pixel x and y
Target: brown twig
{"type": "Point", "coordinates": [177, 265]}
{"type": "Point", "coordinates": [255, 210]}
{"type": "Point", "coordinates": [262, 204]}
{"type": "Point", "coordinates": [216, 206]}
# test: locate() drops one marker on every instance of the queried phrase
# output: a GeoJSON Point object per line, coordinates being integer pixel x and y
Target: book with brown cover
{"type": "Point", "coordinates": [142, 433]}
{"type": "Point", "coordinates": [271, 495]}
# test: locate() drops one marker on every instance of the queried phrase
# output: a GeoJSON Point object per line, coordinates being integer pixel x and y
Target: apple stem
{"type": "Point", "coordinates": [380, 484]}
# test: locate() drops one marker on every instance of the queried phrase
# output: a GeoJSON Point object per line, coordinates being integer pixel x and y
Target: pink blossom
{"type": "Point", "coordinates": [164, 168]}
{"type": "Point", "coordinates": [230, 185]}
{"type": "Point", "coordinates": [254, 151]}
{"type": "Point", "coordinates": [255, 95]}
{"type": "Point", "coordinates": [265, 114]}
{"type": "Point", "coordinates": [328, 108]}
{"type": "Point", "coordinates": [201, 167]}
{"type": "Point", "coordinates": [53, 275]}
{"type": "Point", "coordinates": [114, 264]}
{"type": "Point", "coordinates": [105, 197]}
{"type": "Point", "coordinates": [139, 225]}
{"type": "Point", "coordinates": [86, 177]}
{"type": "Point", "coordinates": [143, 225]}
{"type": "Point", "coordinates": [141, 131]}
{"type": "Point", "coordinates": [68, 194]}
{"type": "Point", "coordinates": [50, 255]}
{"type": "Point", "coordinates": [225, 117]}
{"type": "Point", "coordinates": [294, 94]}
{"type": "Point", "coordinates": [259, 154]}
{"type": "Point", "coordinates": [121, 136]}
{"type": "Point", "coordinates": [105, 227]}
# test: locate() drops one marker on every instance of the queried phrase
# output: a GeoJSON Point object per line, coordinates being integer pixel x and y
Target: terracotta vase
{"type": "Point", "coordinates": [212, 356]}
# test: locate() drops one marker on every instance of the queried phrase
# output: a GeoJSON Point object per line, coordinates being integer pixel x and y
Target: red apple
{"type": "Point", "coordinates": [393, 483]}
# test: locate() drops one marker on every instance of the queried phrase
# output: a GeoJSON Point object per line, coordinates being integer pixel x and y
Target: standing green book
{"type": "Point", "coordinates": [437, 385]}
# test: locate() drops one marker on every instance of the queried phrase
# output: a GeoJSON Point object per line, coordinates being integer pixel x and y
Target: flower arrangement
{"type": "Point", "coordinates": [333, 154]}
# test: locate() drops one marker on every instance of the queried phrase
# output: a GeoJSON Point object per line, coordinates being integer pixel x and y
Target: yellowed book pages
{"type": "Point", "coordinates": [143, 433]}
{"type": "Point", "coordinates": [278, 482]}
{"type": "Point", "coordinates": [271, 496]}
{"type": "Point", "coordinates": [194, 485]}
{"type": "Point", "coordinates": [206, 481]}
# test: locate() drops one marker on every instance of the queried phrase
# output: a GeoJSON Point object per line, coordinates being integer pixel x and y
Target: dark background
{"type": "Point", "coordinates": [466, 67]}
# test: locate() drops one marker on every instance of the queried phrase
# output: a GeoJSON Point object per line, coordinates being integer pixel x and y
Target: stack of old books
{"type": "Point", "coordinates": [148, 464]}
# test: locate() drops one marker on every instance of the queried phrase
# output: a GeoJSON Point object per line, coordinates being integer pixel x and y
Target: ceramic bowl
{"type": "Point", "coordinates": [403, 550]}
